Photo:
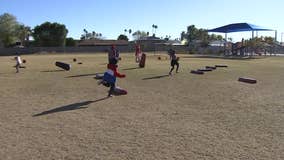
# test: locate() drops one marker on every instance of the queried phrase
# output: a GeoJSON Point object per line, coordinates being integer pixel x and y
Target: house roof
{"type": "Point", "coordinates": [96, 42]}
{"type": "Point", "coordinates": [150, 38]}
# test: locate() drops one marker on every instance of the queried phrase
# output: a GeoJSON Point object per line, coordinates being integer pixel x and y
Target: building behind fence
{"type": "Point", "coordinates": [146, 46]}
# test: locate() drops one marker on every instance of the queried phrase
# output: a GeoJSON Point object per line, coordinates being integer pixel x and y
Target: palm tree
{"type": "Point", "coordinates": [129, 31]}
{"type": "Point", "coordinates": [86, 32]}
{"type": "Point", "coordinates": [93, 34]}
{"type": "Point", "coordinates": [125, 31]}
{"type": "Point", "coordinates": [137, 35]}
{"type": "Point", "coordinates": [154, 28]}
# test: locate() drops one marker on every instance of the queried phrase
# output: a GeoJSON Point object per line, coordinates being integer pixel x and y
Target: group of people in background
{"type": "Point", "coordinates": [109, 77]}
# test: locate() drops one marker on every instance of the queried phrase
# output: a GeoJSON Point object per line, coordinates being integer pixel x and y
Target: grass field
{"type": "Point", "coordinates": [51, 114]}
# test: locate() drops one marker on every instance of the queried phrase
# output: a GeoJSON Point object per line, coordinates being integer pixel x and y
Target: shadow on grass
{"type": "Point", "coordinates": [131, 68]}
{"type": "Point", "coordinates": [223, 57]}
{"type": "Point", "coordinates": [82, 75]}
{"type": "Point", "coordinates": [59, 70]}
{"type": "Point", "coordinates": [156, 77]}
{"type": "Point", "coordinates": [69, 107]}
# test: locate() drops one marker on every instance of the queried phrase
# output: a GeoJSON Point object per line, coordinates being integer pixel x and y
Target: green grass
{"type": "Point", "coordinates": [49, 114]}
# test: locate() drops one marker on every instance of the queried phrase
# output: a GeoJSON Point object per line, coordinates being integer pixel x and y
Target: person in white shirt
{"type": "Point", "coordinates": [18, 63]}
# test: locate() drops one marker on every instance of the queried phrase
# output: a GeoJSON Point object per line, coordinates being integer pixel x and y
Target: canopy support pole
{"type": "Point", "coordinates": [225, 44]}
{"type": "Point", "coordinates": [252, 36]}
{"type": "Point", "coordinates": [275, 35]}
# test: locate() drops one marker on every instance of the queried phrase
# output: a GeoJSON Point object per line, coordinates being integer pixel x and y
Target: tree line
{"type": "Point", "coordinates": [46, 34]}
{"type": "Point", "coordinates": [54, 34]}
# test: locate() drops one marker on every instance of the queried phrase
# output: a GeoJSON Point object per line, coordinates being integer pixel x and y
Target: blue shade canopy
{"type": "Point", "coordinates": [239, 27]}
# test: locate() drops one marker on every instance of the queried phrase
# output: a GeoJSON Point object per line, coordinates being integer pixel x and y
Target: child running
{"type": "Point", "coordinates": [174, 60]}
{"type": "Point", "coordinates": [18, 63]}
{"type": "Point", "coordinates": [110, 75]}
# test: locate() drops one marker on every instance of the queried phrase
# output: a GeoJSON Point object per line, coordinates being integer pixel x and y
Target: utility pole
{"type": "Point", "coordinates": [282, 38]}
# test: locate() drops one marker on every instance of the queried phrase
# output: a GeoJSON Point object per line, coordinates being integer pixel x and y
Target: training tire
{"type": "Point", "coordinates": [205, 70]}
{"type": "Point", "coordinates": [196, 72]}
{"type": "Point", "coordinates": [210, 67]}
{"type": "Point", "coordinates": [247, 80]}
{"type": "Point", "coordinates": [220, 65]}
{"type": "Point", "coordinates": [64, 66]}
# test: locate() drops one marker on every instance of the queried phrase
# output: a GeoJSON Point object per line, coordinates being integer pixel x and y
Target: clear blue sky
{"type": "Point", "coordinates": [111, 17]}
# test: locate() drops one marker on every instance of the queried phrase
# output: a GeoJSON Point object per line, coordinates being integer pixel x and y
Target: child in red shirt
{"type": "Point", "coordinates": [110, 75]}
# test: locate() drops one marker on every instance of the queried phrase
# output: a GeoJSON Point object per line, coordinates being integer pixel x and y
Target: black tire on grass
{"type": "Point", "coordinates": [221, 65]}
{"type": "Point", "coordinates": [63, 65]}
{"type": "Point", "coordinates": [247, 80]}
{"type": "Point", "coordinates": [196, 72]}
{"type": "Point", "coordinates": [210, 67]}
{"type": "Point", "coordinates": [205, 70]}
